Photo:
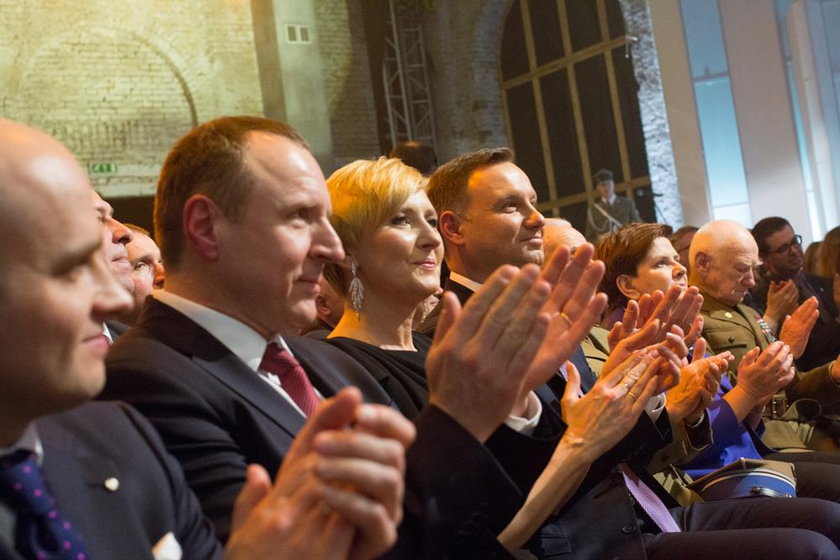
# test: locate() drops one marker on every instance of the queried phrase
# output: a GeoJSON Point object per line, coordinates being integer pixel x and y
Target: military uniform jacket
{"type": "Point", "coordinates": [736, 329]}
{"type": "Point", "coordinates": [622, 210]}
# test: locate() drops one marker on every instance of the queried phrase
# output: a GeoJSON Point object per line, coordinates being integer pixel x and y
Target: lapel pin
{"type": "Point", "coordinates": [111, 484]}
{"type": "Point", "coordinates": [728, 315]}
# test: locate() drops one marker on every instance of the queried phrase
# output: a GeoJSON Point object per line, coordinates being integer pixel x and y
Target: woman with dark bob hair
{"type": "Point", "coordinates": [640, 261]}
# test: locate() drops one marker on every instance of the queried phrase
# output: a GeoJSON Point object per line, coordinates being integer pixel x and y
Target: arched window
{"type": "Point", "coordinates": [570, 102]}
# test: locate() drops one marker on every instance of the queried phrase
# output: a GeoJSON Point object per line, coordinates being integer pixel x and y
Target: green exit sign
{"type": "Point", "coordinates": [102, 168]}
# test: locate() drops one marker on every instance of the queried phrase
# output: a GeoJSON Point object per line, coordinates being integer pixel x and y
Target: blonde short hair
{"type": "Point", "coordinates": [365, 194]}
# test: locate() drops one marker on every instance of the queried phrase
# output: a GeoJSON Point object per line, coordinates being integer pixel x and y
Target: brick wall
{"type": "Point", "coordinates": [118, 82]}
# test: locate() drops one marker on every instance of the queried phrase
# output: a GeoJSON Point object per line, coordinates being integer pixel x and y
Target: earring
{"type": "Point", "coordinates": [357, 291]}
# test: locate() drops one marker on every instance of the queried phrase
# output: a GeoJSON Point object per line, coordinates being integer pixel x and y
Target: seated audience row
{"type": "Point", "coordinates": [252, 435]}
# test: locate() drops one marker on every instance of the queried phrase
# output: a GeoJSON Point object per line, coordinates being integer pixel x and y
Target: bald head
{"type": "Point", "coordinates": [55, 285]}
{"type": "Point", "coordinates": [37, 174]}
{"type": "Point", "coordinates": [557, 233]}
{"type": "Point", "coordinates": [722, 256]}
{"type": "Point", "coordinates": [29, 157]}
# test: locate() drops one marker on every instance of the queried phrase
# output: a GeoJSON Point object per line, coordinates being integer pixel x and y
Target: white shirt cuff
{"type": "Point", "coordinates": [527, 424]}
{"type": "Point", "coordinates": [655, 406]}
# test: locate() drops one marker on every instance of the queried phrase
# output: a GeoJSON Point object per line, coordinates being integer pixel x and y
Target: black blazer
{"type": "Point", "coordinates": [216, 416]}
{"type": "Point", "coordinates": [97, 441]}
{"type": "Point", "coordinates": [824, 341]}
{"type": "Point", "coordinates": [600, 518]}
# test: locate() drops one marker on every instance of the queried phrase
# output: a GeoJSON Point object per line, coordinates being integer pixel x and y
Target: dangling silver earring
{"type": "Point", "coordinates": [357, 291]}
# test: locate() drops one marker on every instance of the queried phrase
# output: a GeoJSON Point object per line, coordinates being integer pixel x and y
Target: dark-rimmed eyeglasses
{"type": "Point", "coordinates": [781, 250]}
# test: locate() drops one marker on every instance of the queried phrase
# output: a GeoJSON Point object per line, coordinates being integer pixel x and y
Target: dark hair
{"type": "Point", "coordinates": [602, 176]}
{"type": "Point", "coordinates": [764, 229]}
{"type": "Point", "coordinates": [208, 160]}
{"type": "Point", "coordinates": [138, 229]}
{"type": "Point", "coordinates": [622, 251]}
{"type": "Point", "coordinates": [682, 231]}
{"type": "Point", "coordinates": [417, 155]}
{"type": "Point", "coordinates": [448, 185]}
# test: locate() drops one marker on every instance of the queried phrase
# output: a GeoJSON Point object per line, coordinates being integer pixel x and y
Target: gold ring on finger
{"type": "Point", "coordinates": [632, 395]}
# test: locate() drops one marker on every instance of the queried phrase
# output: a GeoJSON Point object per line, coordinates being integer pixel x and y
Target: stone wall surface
{"type": "Point", "coordinates": [462, 40]}
{"type": "Point", "coordinates": [347, 79]}
{"type": "Point", "coordinates": [118, 82]}
{"type": "Point", "coordinates": [661, 165]}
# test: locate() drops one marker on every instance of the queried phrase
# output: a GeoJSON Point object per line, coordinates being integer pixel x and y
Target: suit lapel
{"type": "Point", "coordinates": [459, 290]}
{"type": "Point", "coordinates": [242, 380]}
{"type": "Point", "coordinates": [77, 476]}
{"type": "Point", "coordinates": [323, 377]}
{"type": "Point", "coordinates": [213, 357]}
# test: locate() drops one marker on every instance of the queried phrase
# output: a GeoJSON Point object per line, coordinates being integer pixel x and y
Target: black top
{"type": "Point", "coordinates": [401, 373]}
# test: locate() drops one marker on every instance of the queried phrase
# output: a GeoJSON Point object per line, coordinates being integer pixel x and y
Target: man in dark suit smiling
{"type": "Point", "coordinates": [488, 217]}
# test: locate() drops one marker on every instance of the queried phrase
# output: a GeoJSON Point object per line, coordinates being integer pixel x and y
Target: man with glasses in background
{"type": "Point", "coordinates": [780, 250]}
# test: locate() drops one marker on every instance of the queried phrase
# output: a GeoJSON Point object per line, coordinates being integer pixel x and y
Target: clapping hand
{"type": "Point", "coordinates": [338, 493]}
{"type": "Point", "coordinates": [574, 306]}
{"type": "Point", "coordinates": [676, 307]}
{"type": "Point", "coordinates": [797, 327]}
{"type": "Point", "coordinates": [477, 364]}
{"type": "Point", "coordinates": [663, 319]}
{"type": "Point", "coordinates": [763, 373]}
{"type": "Point", "coordinates": [603, 416]}
{"type": "Point", "coordinates": [699, 383]}
{"type": "Point", "coordinates": [781, 301]}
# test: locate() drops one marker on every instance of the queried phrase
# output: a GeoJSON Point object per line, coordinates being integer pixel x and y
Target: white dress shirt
{"type": "Point", "coordinates": [246, 343]}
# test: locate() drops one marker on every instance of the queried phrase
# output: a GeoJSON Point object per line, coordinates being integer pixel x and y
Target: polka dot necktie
{"type": "Point", "coordinates": [41, 531]}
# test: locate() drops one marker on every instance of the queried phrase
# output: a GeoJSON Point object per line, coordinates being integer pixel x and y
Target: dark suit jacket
{"type": "Point", "coordinates": [116, 329]}
{"type": "Point", "coordinates": [736, 329]}
{"type": "Point", "coordinates": [216, 416]}
{"type": "Point", "coordinates": [600, 517]}
{"type": "Point", "coordinates": [97, 441]}
{"type": "Point", "coordinates": [824, 342]}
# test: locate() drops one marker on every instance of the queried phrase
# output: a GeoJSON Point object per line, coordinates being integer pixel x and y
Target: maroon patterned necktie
{"type": "Point", "coordinates": [278, 361]}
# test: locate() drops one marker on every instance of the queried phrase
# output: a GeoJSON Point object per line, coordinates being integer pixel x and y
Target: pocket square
{"type": "Point", "coordinates": [167, 548]}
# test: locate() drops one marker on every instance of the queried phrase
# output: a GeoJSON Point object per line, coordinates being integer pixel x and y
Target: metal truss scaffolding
{"type": "Point", "coordinates": [405, 75]}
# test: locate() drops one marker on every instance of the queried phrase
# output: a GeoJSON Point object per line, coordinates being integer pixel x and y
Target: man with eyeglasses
{"type": "Point", "coordinates": [780, 249]}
